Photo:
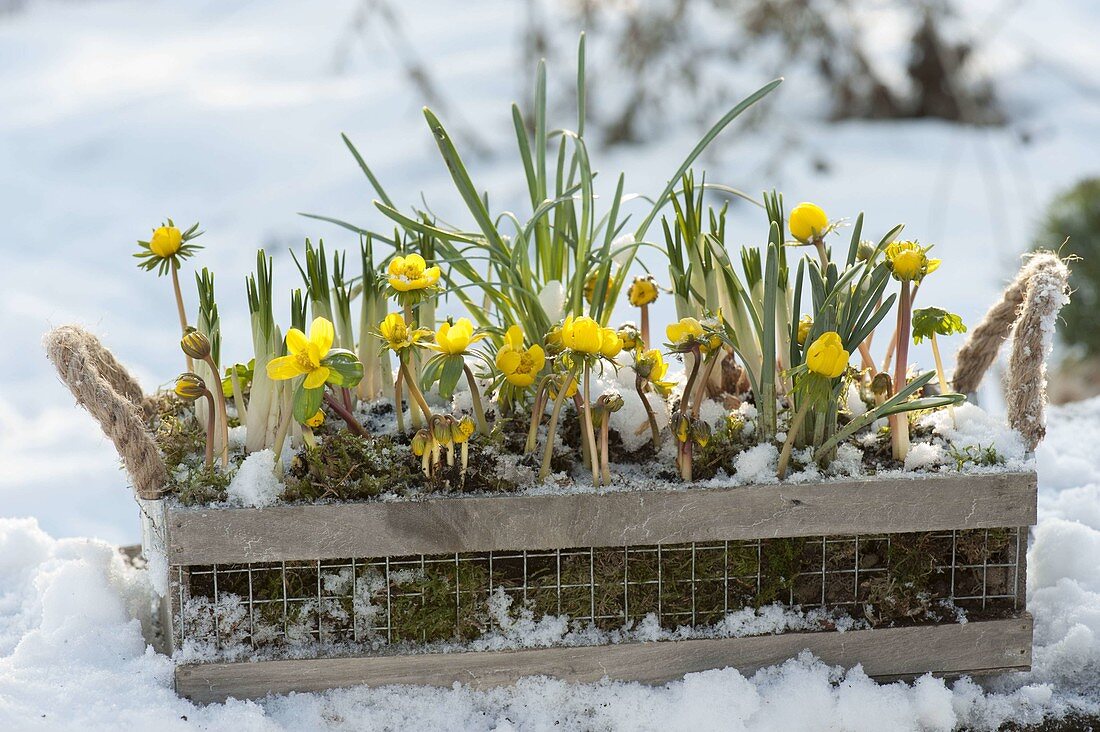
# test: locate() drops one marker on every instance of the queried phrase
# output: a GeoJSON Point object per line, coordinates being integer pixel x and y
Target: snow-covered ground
{"type": "Point", "coordinates": [117, 113]}
{"type": "Point", "coordinates": [72, 655]}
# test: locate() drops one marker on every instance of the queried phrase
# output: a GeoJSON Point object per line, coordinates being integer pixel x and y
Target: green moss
{"type": "Point", "coordinates": [196, 484]}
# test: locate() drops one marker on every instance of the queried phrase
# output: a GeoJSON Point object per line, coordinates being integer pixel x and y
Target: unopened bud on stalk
{"type": "Point", "coordinates": [420, 442]}
{"type": "Point", "coordinates": [441, 429]}
{"type": "Point", "coordinates": [865, 250]}
{"type": "Point", "coordinates": [613, 402]}
{"type": "Point", "coordinates": [190, 386]}
{"type": "Point", "coordinates": [881, 385]}
{"type": "Point", "coordinates": [195, 344]}
{"type": "Point", "coordinates": [683, 428]}
{"type": "Point", "coordinates": [700, 432]}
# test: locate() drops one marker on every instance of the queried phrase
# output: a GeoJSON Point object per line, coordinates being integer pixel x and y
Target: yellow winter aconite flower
{"type": "Point", "coordinates": [166, 241]}
{"type": "Point", "coordinates": [462, 430]}
{"type": "Point", "coordinates": [519, 365]}
{"type": "Point", "coordinates": [685, 331]}
{"type": "Point", "coordinates": [643, 291]}
{"type": "Point", "coordinates": [808, 222]}
{"type": "Point", "coordinates": [611, 344]}
{"type": "Point", "coordinates": [305, 355]}
{"type": "Point", "coordinates": [411, 273]}
{"type": "Point", "coordinates": [630, 337]}
{"type": "Point", "coordinates": [316, 420]}
{"type": "Point", "coordinates": [826, 356]}
{"type": "Point", "coordinates": [397, 334]}
{"type": "Point", "coordinates": [455, 339]}
{"type": "Point", "coordinates": [651, 365]}
{"type": "Point", "coordinates": [805, 323]}
{"type": "Point", "coordinates": [909, 261]}
{"type": "Point", "coordinates": [583, 335]}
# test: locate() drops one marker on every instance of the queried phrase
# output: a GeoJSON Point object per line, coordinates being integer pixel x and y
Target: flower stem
{"type": "Point", "coordinates": [209, 429]}
{"type": "Point", "coordinates": [548, 451]}
{"type": "Point", "coordinates": [479, 410]}
{"type": "Point", "coordinates": [944, 389]}
{"type": "Point", "coordinates": [700, 388]}
{"type": "Point", "coordinates": [414, 392]}
{"type": "Point", "coordinates": [605, 427]}
{"type": "Point", "coordinates": [792, 430]}
{"type": "Point", "coordinates": [644, 329]}
{"type": "Point", "coordinates": [221, 409]}
{"type": "Point", "coordinates": [398, 398]}
{"type": "Point", "coordinates": [352, 422]}
{"type": "Point", "coordinates": [900, 422]}
{"type": "Point", "coordinates": [591, 434]}
{"type": "Point", "coordinates": [822, 254]}
{"type": "Point", "coordinates": [179, 308]}
{"type": "Point", "coordinates": [654, 430]}
{"type": "Point", "coordinates": [536, 414]}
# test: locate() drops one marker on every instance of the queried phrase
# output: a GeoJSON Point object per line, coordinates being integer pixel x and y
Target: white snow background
{"type": "Point", "coordinates": [116, 114]}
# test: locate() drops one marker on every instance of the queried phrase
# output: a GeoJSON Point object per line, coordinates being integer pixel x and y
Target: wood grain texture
{"type": "Point", "coordinates": [643, 517]}
{"type": "Point", "coordinates": [976, 647]}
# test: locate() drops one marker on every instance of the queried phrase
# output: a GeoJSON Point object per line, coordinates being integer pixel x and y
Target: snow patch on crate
{"type": "Point", "coordinates": [254, 484]}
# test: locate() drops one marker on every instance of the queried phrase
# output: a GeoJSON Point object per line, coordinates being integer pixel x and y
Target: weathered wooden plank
{"type": "Point", "coordinates": [643, 517]}
{"type": "Point", "coordinates": [976, 647]}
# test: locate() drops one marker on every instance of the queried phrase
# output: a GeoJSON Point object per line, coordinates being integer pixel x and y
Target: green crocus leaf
{"type": "Point", "coordinates": [307, 401]}
{"type": "Point", "coordinates": [346, 370]}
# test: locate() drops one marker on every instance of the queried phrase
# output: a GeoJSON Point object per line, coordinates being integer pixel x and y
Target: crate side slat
{"type": "Point", "coordinates": [644, 517]}
{"type": "Point", "coordinates": [975, 647]}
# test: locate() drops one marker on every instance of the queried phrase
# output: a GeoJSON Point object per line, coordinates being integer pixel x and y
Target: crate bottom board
{"type": "Point", "coordinates": [888, 653]}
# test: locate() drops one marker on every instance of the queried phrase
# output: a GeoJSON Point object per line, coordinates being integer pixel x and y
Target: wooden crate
{"type": "Point", "coordinates": [931, 503]}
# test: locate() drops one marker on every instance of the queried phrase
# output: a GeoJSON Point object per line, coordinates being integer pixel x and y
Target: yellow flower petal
{"type": "Point", "coordinates": [322, 334]}
{"type": "Point", "coordinates": [296, 341]}
{"type": "Point", "coordinates": [284, 367]}
{"type": "Point", "coordinates": [514, 337]}
{"type": "Point", "coordinates": [317, 377]}
{"type": "Point", "coordinates": [507, 360]}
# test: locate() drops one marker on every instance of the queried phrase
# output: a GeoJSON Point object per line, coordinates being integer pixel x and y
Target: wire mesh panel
{"type": "Point", "coordinates": [377, 601]}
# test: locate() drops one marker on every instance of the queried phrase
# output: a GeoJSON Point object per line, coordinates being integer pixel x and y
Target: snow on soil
{"type": "Point", "coordinates": [255, 484]}
{"type": "Point", "coordinates": [70, 613]}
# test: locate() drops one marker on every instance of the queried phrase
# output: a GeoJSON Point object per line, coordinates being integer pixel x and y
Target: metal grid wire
{"type": "Point", "coordinates": [444, 597]}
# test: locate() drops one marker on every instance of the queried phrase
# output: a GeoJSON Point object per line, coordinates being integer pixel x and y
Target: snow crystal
{"type": "Point", "coordinates": [758, 464]}
{"type": "Point", "coordinates": [255, 483]}
{"type": "Point", "coordinates": [924, 455]}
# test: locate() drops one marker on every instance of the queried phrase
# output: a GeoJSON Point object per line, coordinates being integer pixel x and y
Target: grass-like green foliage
{"type": "Point", "coordinates": [1073, 217]}
{"type": "Point", "coordinates": [508, 259]}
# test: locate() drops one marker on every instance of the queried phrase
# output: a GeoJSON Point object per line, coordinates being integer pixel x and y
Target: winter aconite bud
{"type": "Point", "coordinates": [195, 344]}
{"type": "Point", "coordinates": [190, 386]}
{"type": "Point", "coordinates": [420, 442]}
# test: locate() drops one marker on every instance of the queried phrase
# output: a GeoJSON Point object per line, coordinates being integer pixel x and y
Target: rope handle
{"type": "Point", "coordinates": [107, 390]}
{"type": "Point", "coordinates": [1028, 310]}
